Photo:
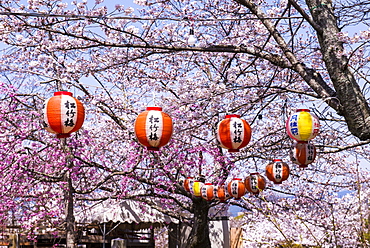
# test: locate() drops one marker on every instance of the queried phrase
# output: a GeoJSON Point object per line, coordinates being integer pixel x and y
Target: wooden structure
{"type": "Point", "coordinates": [125, 224]}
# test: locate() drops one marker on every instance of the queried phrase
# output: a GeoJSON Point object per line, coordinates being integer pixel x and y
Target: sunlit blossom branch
{"type": "Point", "coordinates": [337, 149]}
{"type": "Point", "coordinates": [135, 18]}
{"type": "Point", "coordinates": [103, 181]}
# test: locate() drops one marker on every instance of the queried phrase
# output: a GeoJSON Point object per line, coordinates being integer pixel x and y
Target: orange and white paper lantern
{"type": "Point", "coordinates": [303, 153]}
{"type": "Point", "coordinates": [236, 188]}
{"type": "Point", "coordinates": [277, 171]}
{"type": "Point", "coordinates": [221, 193]}
{"type": "Point", "coordinates": [207, 191]}
{"type": "Point", "coordinates": [63, 114]}
{"type": "Point", "coordinates": [233, 133]}
{"type": "Point", "coordinates": [254, 183]}
{"type": "Point", "coordinates": [153, 128]}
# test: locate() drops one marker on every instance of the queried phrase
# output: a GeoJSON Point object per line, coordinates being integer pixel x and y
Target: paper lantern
{"type": "Point", "coordinates": [195, 188]}
{"type": "Point", "coordinates": [277, 171]}
{"type": "Point", "coordinates": [233, 133]}
{"type": "Point", "coordinates": [153, 128]}
{"type": "Point", "coordinates": [236, 188]}
{"type": "Point", "coordinates": [255, 183]}
{"type": "Point", "coordinates": [221, 193]}
{"type": "Point", "coordinates": [303, 153]}
{"type": "Point", "coordinates": [63, 114]}
{"type": "Point", "coordinates": [207, 191]}
{"type": "Point", "coordinates": [187, 183]}
{"type": "Point", "coordinates": [302, 125]}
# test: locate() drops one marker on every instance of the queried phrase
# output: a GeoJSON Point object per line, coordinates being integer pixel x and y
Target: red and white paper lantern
{"type": "Point", "coordinates": [207, 192]}
{"type": "Point", "coordinates": [63, 114]}
{"type": "Point", "coordinates": [277, 171]}
{"type": "Point", "coordinates": [303, 153]}
{"type": "Point", "coordinates": [221, 193]}
{"type": "Point", "coordinates": [236, 188]}
{"type": "Point", "coordinates": [254, 183]}
{"type": "Point", "coordinates": [153, 128]}
{"type": "Point", "coordinates": [233, 133]}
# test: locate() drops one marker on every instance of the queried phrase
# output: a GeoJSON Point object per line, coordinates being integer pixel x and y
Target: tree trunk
{"type": "Point", "coordinates": [199, 235]}
{"type": "Point", "coordinates": [353, 105]}
{"type": "Point", "coordinates": [70, 219]}
{"type": "Point", "coordinates": [69, 201]}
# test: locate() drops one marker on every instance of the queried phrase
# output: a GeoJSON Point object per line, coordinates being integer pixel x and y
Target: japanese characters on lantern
{"type": "Point", "coordinates": [63, 114]}
{"type": "Point", "coordinates": [302, 125]}
{"type": "Point", "coordinates": [188, 182]}
{"type": "Point", "coordinates": [233, 133]}
{"type": "Point", "coordinates": [236, 188]}
{"type": "Point", "coordinates": [195, 188]}
{"type": "Point", "coordinates": [303, 153]}
{"type": "Point", "coordinates": [277, 171]}
{"type": "Point", "coordinates": [254, 183]}
{"type": "Point", "coordinates": [207, 191]}
{"type": "Point", "coordinates": [221, 193]}
{"type": "Point", "coordinates": [153, 128]}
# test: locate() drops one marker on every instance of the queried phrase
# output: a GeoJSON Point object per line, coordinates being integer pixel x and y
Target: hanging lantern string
{"type": "Point", "coordinates": [229, 105]}
{"type": "Point", "coordinates": [200, 163]}
{"type": "Point", "coordinates": [153, 96]}
{"type": "Point", "coordinates": [228, 108]}
{"type": "Point", "coordinates": [59, 85]}
{"type": "Point", "coordinates": [191, 19]}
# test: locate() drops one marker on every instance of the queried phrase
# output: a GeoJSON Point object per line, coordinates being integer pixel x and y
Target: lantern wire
{"type": "Point", "coordinates": [200, 163]}
{"type": "Point", "coordinates": [59, 85]}
{"type": "Point", "coordinates": [135, 18]}
{"type": "Point", "coordinates": [153, 96]}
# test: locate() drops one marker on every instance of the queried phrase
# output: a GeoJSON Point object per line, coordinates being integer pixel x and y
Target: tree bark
{"type": "Point", "coordinates": [199, 235]}
{"type": "Point", "coordinates": [71, 241]}
{"type": "Point", "coordinates": [353, 105]}
{"type": "Point", "coordinates": [70, 219]}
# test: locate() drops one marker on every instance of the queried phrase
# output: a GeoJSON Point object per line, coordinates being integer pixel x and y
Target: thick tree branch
{"type": "Point", "coordinates": [311, 77]}
{"type": "Point", "coordinates": [354, 106]}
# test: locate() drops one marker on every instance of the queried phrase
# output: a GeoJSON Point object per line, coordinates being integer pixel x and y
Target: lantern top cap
{"type": "Point", "coordinates": [278, 160]}
{"type": "Point", "coordinates": [65, 93]}
{"type": "Point", "coordinates": [208, 184]}
{"type": "Point", "coordinates": [237, 178]}
{"type": "Point", "coordinates": [154, 108]}
{"type": "Point", "coordinates": [233, 115]}
{"type": "Point", "coordinates": [302, 110]}
{"type": "Point", "coordinates": [189, 177]}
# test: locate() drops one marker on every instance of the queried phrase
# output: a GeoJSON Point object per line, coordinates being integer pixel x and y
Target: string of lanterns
{"type": "Point", "coordinates": [64, 114]}
{"type": "Point", "coordinates": [236, 188]}
{"type": "Point", "coordinates": [234, 134]}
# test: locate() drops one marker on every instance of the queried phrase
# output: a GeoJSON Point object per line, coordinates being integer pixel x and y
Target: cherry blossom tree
{"type": "Point", "coordinates": [259, 59]}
